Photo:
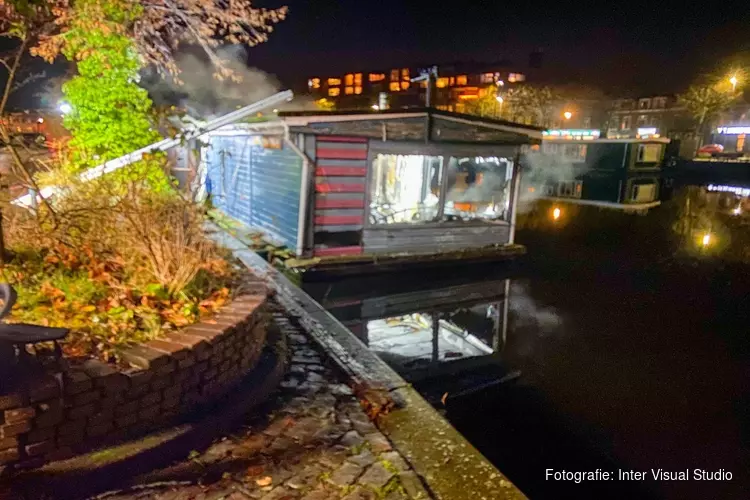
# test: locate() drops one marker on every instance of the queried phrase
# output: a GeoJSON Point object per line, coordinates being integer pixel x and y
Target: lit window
{"type": "Point", "coordinates": [405, 189]}
{"type": "Point", "coordinates": [394, 75]}
{"type": "Point", "coordinates": [314, 83]}
{"type": "Point", "coordinates": [643, 192]}
{"type": "Point", "coordinates": [644, 103]}
{"type": "Point", "coordinates": [376, 77]}
{"type": "Point", "coordinates": [487, 77]}
{"type": "Point", "coordinates": [478, 187]}
{"type": "Point", "coordinates": [642, 120]}
{"type": "Point", "coordinates": [334, 81]}
{"type": "Point", "coordinates": [461, 80]}
{"type": "Point", "coordinates": [404, 85]}
{"type": "Point", "coordinates": [357, 90]}
{"type": "Point", "coordinates": [334, 92]}
{"type": "Point", "coordinates": [405, 74]}
{"type": "Point", "coordinates": [442, 83]}
{"type": "Point", "coordinates": [649, 153]}
{"type": "Point", "coordinates": [358, 79]}
{"type": "Point", "coordinates": [625, 123]}
{"type": "Point", "coordinates": [423, 84]}
{"type": "Point", "coordinates": [452, 81]}
{"type": "Point", "coordinates": [516, 77]}
{"type": "Point", "coordinates": [349, 90]}
{"type": "Point", "coordinates": [394, 86]}
{"type": "Point", "coordinates": [349, 79]}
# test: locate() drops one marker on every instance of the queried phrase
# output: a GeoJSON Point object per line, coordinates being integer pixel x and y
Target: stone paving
{"type": "Point", "coordinates": [315, 443]}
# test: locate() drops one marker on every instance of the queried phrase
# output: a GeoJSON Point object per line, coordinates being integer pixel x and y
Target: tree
{"type": "Point", "coordinates": [532, 102]}
{"type": "Point", "coordinates": [24, 22]}
{"type": "Point", "coordinates": [110, 114]}
{"type": "Point", "coordinates": [705, 102]}
{"type": "Point", "coordinates": [487, 105]}
{"type": "Point", "coordinates": [158, 27]}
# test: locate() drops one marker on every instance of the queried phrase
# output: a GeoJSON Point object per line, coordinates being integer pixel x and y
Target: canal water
{"type": "Point", "coordinates": [621, 342]}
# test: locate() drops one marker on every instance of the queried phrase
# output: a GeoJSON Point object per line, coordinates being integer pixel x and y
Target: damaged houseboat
{"type": "Point", "coordinates": [345, 190]}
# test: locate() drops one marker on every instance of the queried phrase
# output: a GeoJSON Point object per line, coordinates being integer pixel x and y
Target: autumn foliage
{"type": "Point", "coordinates": [124, 258]}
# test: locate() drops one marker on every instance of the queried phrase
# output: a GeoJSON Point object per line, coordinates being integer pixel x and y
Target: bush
{"type": "Point", "coordinates": [117, 263]}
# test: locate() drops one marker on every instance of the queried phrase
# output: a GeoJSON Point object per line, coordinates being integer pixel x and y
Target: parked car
{"type": "Point", "coordinates": [710, 150]}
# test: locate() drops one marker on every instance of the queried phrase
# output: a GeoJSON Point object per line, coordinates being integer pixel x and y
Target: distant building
{"type": "Point", "coordinates": [732, 130]}
{"type": "Point", "coordinates": [654, 116]}
{"type": "Point", "coordinates": [456, 84]}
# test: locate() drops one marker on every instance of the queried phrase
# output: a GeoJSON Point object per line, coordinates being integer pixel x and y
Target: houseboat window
{"type": "Point", "coordinates": [478, 187]}
{"type": "Point", "coordinates": [643, 193]}
{"type": "Point", "coordinates": [405, 189]}
{"type": "Point", "coordinates": [649, 153]}
{"type": "Point", "coordinates": [394, 86]}
{"type": "Point", "coordinates": [570, 189]}
{"type": "Point", "coordinates": [575, 153]}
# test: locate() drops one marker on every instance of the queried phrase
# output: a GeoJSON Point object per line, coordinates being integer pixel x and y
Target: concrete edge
{"type": "Point", "coordinates": [450, 466]}
{"type": "Point", "coordinates": [101, 469]}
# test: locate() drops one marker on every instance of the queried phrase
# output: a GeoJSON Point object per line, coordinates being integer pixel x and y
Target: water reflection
{"type": "Point", "coordinates": [433, 328]}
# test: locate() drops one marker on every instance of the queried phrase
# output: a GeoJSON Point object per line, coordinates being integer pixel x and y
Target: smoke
{"type": "Point", "coordinates": [542, 170]}
{"type": "Point", "coordinates": [527, 314]}
{"type": "Point", "coordinates": [204, 96]}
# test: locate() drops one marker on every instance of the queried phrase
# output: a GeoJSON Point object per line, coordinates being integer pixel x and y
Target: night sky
{"type": "Point", "coordinates": [622, 47]}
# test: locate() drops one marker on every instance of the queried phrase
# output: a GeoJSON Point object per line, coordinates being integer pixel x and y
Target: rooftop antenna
{"type": "Point", "coordinates": [430, 75]}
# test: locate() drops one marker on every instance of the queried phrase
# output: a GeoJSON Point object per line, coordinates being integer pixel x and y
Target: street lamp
{"type": "Point", "coordinates": [65, 108]}
{"type": "Point", "coordinates": [499, 99]}
{"type": "Point", "coordinates": [733, 81]}
{"type": "Point", "coordinates": [568, 115]}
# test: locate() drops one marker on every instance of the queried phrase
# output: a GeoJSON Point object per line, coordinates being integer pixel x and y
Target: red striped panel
{"type": "Point", "coordinates": [340, 188]}
{"type": "Point", "coordinates": [342, 154]}
{"type": "Point", "coordinates": [348, 171]}
{"type": "Point", "coordinates": [342, 139]}
{"type": "Point", "coordinates": [335, 220]}
{"type": "Point", "coordinates": [321, 203]}
{"type": "Point", "coordinates": [338, 251]}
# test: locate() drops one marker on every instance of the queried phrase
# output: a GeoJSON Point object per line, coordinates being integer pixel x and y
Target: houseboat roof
{"type": "Point", "coordinates": [651, 140]}
{"type": "Point", "coordinates": [412, 124]}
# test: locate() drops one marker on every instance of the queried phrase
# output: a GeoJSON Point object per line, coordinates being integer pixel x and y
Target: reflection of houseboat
{"type": "Point", "coordinates": [357, 187]}
{"type": "Point", "coordinates": [427, 329]}
{"type": "Point", "coordinates": [621, 174]}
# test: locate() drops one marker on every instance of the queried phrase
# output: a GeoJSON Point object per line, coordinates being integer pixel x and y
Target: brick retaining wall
{"type": "Point", "coordinates": [55, 415]}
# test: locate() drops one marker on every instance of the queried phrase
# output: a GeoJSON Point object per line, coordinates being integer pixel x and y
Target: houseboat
{"type": "Point", "coordinates": [353, 188]}
{"type": "Point", "coordinates": [582, 168]}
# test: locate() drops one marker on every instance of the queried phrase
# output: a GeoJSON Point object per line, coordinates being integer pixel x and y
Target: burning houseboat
{"type": "Point", "coordinates": [355, 188]}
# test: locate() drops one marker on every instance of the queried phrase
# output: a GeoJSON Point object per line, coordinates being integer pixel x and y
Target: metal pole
{"type": "Point", "coordinates": [515, 183]}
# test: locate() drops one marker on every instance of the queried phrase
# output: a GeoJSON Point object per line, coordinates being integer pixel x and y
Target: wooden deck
{"type": "Point", "coordinates": [347, 265]}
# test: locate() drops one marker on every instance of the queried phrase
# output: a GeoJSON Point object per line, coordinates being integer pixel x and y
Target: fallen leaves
{"type": "Point", "coordinates": [264, 481]}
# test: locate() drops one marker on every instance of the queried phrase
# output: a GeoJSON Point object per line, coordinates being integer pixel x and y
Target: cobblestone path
{"type": "Point", "coordinates": [314, 443]}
